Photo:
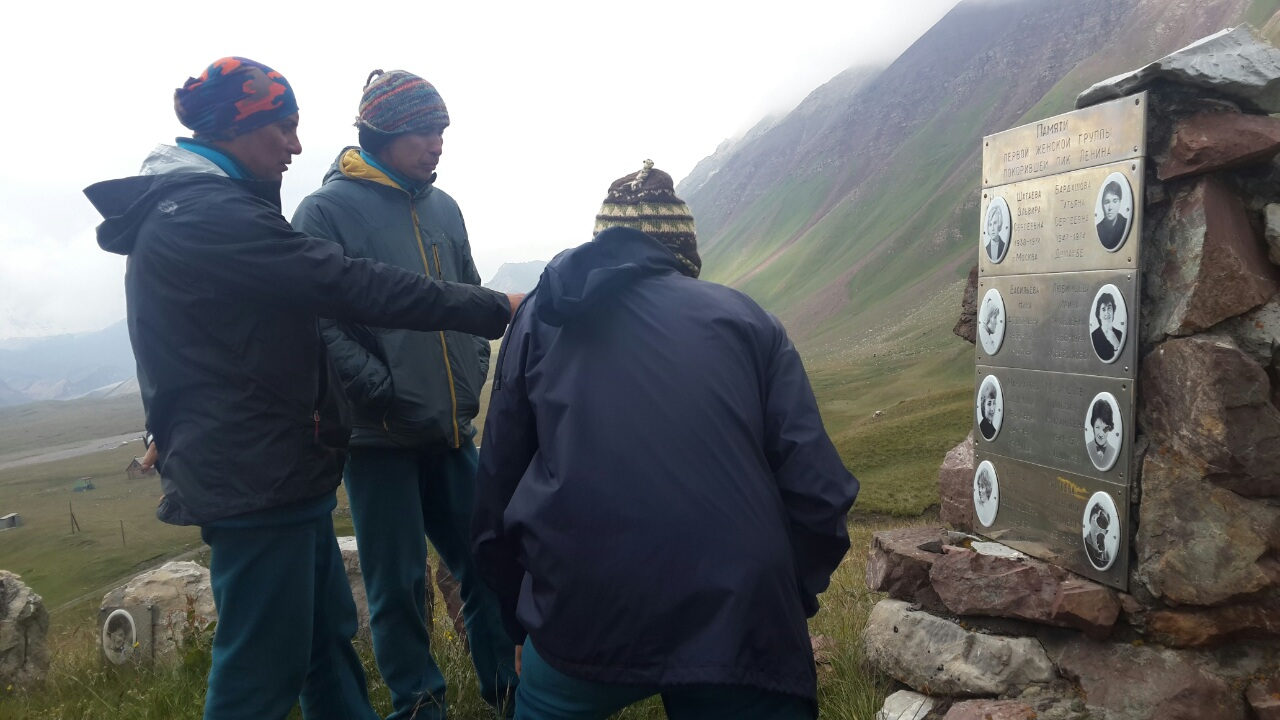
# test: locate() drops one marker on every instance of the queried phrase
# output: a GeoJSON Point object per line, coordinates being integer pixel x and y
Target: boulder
{"type": "Point", "coordinates": [991, 710]}
{"type": "Point", "coordinates": [938, 657]}
{"type": "Point", "coordinates": [1206, 398]}
{"type": "Point", "coordinates": [1143, 682]}
{"type": "Point", "coordinates": [899, 563]}
{"type": "Point", "coordinates": [969, 583]}
{"type": "Point", "coordinates": [1204, 263]}
{"type": "Point", "coordinates": [1214, 626]}
{"type": "Point", "coordinates": [906, 705]}
{"type": "Point", "coordinates": [1198, 544]}
{"type": "Point", "coordinates": [181, 594]}
{"type": "Point", "coordinates": [1211, 141]}
{"type": "Point", "coordinates": [1257, 332]}
{"type": "Point", "coordinates": [24, 630]}
{"type": "Point", "coordinates": [955, 486]}
{"type": "Point", "coordinates": [1233, 63]}
{"type": "Point", "coordinates": [1264, 698]}
{"type": "Point", "coordinates": [967, 326]}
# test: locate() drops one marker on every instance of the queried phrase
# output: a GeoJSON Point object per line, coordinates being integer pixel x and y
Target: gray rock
{"type": "Point", "coordinates": [1198, 544]}
{"type": "Point", "coordinates": [906, 705]}
{"type": "Point", "coordinates": [1207, 399]}
{"type": "Point", "coordinates": [933, 655]}
{"type": "Point", "coordinates": [1272, 216]}
{"type": "Point", "coordinates": [955, 486]}
{"type": "Point", "coordinates": [181, 594]}
{"type": "Point", "coordinates": [967, 325]}
{"type": "Point", "coordinates": [1234, 63]}
{"type": "Point", "coordinates": [24, 629]}
{"type": "Point", "coordinates": [1257, 332]}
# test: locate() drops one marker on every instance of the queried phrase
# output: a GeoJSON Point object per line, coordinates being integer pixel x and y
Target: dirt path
{"type": "Point", "coordinates": [69, 450]}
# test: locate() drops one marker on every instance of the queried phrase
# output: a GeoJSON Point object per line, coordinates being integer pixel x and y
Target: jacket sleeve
{"type": "Point", "coordinates": [816, 489]}
{"type": "Point", "coordinates": [469, 274]}
{"type": "Point", "coordinates": [245, 248]}
{"type": "Point", "coordinates": [365, 377]}
{"type": "Point", "coordinates": [510, 443]}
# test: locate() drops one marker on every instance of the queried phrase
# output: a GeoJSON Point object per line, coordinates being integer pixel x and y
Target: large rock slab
{"type": "Point", "coordinates": [1212, 141]}
{"type": "Point", "coordinates": [991, 710]}
{"type": "Point", "coordinates": [1144, 682]}
{"type": "Point", "coordinates": [955, 486]}
{"type": "Point", "coordinates": [906, 705]}
{"type": "Point", "coordinates": [181, 594]}
{"type": "Point", "coordinates": [938, 657]}
{"type": "Point", "coordinates": [899, 561]}
{"type": "Point", "coordinates": [1209, 400]}
{"type": "Point", "coordinates": [24, 629]}
{"type": "Point", "coordinates": [1264, 698]}
{"type": "Point", "coordinates": [1234, 63]}
{"type": "Point", "coordinates": [1214, 626]}
{"type": "Point", "coordinates": [1198, 544]}
{"type": "Point", "coordinates": [967, 326]}
{"type": "Point", "coordinates": [1204, 263]}
{"type": "Point", "coordinates": [1025, 589]}
{"type": "Point", "coordinates": [1257, 332]}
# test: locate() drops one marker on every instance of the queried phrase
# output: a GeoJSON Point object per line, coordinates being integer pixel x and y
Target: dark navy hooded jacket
{"type": "Point", "coordinates": [223, 299]}
{"type": "Point", "coordinates": [658, 501]}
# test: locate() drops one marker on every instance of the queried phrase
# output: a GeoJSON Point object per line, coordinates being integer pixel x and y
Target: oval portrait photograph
{"type": "Point", "coordinates": [119, 636]}
{"type": "Point", "coordinates": [1108, 323]}
{"type": "Point", "coordinates": [986, 493]}
{"type": "Point", "coordinates": [1103, 431]}
{"type": "Point", "coordinates": [1113, 211]}
{"type": "Point", "coordinates": [1101, 531]}
{"type": "Point", "coordinates": [996, 228]}
{"type": "Point", "coordinates": [990, 410]}
{"type": "Point", "coordinates": [991, 322]}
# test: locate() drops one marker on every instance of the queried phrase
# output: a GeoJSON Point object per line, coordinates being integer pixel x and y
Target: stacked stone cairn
{"type": "Point", "coordinates": [978, 630]}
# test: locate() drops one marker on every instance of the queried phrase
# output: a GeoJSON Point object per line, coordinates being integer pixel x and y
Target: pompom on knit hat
{"type": "Point", "coordinates": [397, 102]}
{"type": "Point", "coordinates": [646, 201]}
{"type": "Point", "coordinates": [233, 96]}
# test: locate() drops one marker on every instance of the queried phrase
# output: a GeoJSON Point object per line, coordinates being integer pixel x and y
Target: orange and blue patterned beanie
{"type": "Point", "coordinates": [231, 97]}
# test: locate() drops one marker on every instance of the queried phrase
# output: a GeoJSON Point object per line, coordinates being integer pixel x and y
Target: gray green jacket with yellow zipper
{"type": "Point", "coordinates": [407, 389]}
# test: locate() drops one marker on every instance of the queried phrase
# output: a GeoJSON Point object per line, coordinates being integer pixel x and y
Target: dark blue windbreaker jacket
{"type": "Point", "coordinates": [657, 502]}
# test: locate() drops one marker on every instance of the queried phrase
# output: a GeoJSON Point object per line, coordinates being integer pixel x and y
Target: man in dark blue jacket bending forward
{"type": "Point", "coordinates": [658, 504]}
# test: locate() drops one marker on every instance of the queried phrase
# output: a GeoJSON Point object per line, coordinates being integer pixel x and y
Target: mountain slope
{"type": "Point", "coordinates": [858, 223]}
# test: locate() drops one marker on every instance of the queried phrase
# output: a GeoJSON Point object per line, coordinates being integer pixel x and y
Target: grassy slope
{"type": "Point", "coordinates": [34, 428]}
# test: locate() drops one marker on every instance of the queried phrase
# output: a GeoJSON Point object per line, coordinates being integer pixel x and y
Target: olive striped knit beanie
{"type": "Point", "coordinates": [397, 102]}
{"type": "Point", "coordinates": [646, 201]}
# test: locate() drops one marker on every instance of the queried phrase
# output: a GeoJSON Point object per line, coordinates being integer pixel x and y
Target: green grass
{"type": "Point", "coordinates": [39, 427]}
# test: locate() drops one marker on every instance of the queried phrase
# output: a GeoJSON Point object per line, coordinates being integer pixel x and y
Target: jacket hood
{"type": "Point", "coordinates": [577, 280]}
{"type": "Point", "coordinates": [351, 165]}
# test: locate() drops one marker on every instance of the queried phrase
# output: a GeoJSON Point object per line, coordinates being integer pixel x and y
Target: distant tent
{"type": "Point", "coordinates": [84, 483]}
{"type": "Point", "coordinates": [12, 520]}
{"type": "Point", "coordinates": [135, 471]}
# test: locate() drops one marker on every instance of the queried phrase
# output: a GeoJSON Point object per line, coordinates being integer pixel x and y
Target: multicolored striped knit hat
{"type": "Point", "coordinates": [231, 97]}
{"type": "Point", "coordinates": [398, 102]}
{"type": "Point", "coordinates": [646, 201]}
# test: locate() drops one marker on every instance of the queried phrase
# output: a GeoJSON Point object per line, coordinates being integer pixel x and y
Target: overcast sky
{"type": "Point", "coordinates": [550, 102]}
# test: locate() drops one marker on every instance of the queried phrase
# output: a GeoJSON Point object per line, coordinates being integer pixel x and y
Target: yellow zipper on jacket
{"type": "Point", "coordinates": [444, 346]}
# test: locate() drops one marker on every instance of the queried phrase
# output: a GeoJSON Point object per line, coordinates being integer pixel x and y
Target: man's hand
{"type": "Point", "coordinates": [149, 458]}
{"type": "Point", "coordinates": [519, 653]}
{"type": "Point", "coordinates": [515, 301]}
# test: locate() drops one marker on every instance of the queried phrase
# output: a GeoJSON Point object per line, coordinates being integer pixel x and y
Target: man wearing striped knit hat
{"type": "Point", "coordinates": [412, 463]}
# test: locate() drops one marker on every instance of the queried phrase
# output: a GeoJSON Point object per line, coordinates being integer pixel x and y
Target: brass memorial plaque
{"type": "Point", "coordinates": [1082, 424]}
{"type": "Point", "coordinates": [1064, 322]}
{"type": "Point", "coordinates": [1097, 135]}
{"type": "Point", "coordinates": [1076, 522]}
{"type": "Point", "coordinates": [1083, 220]}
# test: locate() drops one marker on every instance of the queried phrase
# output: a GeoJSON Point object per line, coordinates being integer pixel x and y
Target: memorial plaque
{"type": "Point", "coordinates": [1050, 418]}
{"type": "Point", "coordinates": [1063, 322]}
{"type": "Point", "coordinates": [1077, 522]}
{"type": "Point", "coordinates": [1084, 220]}
{"type": "Point", "coordinates": [1097, 135]}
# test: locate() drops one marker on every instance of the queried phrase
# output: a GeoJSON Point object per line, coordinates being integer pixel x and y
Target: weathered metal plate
{"type": "Point", "coordinates": [1097, 135]}
{"type": "Point", "coordinates": [1042, 512]}
{"type": "Point", "coordinates": [1047, 418]}
{"type": "Point", "coordinates": [1058, 224]}
{"type": "Point", "coordinates": [1059, 322]}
